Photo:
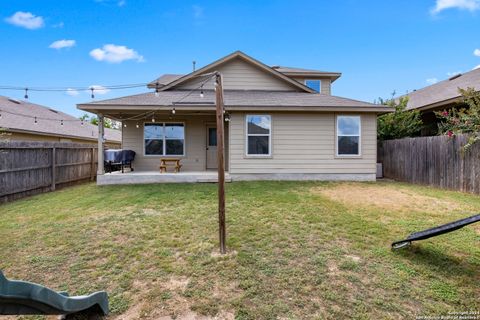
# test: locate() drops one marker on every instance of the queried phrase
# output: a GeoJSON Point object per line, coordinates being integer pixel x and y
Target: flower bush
{"type": "Point", "coordinates": [463, 120]}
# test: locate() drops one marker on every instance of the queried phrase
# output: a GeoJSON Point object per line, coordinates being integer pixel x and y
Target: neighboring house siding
{"type": "Point", "coordinates": [195, 143]}
{"type": "Point", "coordinates": [19, 136]}
{"type": "Point", "coordinates": [240, 75]}
{"type": "Point", "coordinates": [326, 83]}
{"type": "Point", "coordinates": [303, 144]}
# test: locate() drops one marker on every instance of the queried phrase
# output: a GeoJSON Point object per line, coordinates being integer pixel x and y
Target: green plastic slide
{"type": "Point", "coordinates": [21, 297]}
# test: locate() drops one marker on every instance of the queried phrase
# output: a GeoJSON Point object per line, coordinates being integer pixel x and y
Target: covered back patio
{"type": "Point", "coordinates": [145, 177]}
{"type": "Point", "coordinates": [183, 139]}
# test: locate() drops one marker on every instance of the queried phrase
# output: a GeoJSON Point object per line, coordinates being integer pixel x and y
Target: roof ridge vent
{"type": "Point", "coordinates": [455, 77]}
{"type": "Point", "coordinates": [14, 100]}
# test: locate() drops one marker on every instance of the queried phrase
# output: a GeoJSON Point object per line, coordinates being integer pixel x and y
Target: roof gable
{"type": "Point", "coordinates": [239, 67]}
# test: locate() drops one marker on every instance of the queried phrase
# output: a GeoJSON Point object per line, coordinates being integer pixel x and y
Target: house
{"type": "Point", "coordinates": [281, 123]}
{"type": "Point", "coordinates": [22, 120]}
{"type": "Point", "coordinates": [440, 96]}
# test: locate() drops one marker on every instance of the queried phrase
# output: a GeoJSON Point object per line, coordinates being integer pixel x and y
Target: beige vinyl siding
{"type": "Point", "coordinates": [303, 143]}
{"type": "Point", "coordinates": [21, 136]}
{"type": "Point", "coordinates": [326, 85]}
{"type": "Point", "coordinates": [240, 75]}
{"type": "Point", "coordinates": [195, 143]}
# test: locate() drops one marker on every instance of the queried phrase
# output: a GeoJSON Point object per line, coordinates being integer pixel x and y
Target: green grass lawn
{"type": "Point", "coordinates": [297, 250]}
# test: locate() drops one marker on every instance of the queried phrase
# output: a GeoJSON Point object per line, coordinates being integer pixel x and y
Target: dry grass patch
{"type": "Point", "coordinates": [388, 197]}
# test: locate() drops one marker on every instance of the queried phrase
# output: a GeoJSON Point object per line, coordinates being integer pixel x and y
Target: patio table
{"type": "Point", "coordinates": [164, 162]}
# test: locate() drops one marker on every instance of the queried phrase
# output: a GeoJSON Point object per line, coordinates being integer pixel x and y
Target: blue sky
{"type": "Point", "coordinates": [379, 46]}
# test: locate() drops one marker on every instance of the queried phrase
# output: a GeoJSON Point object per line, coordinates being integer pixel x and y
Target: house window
{"type": "Point", "coordinates": [164, 139]}
{"type": "Point", "coordinates": [348, 135]}
{"type": "Point", "coordinates": [258, 135]}
{"type": "Point", "coordinates": [314, 84]}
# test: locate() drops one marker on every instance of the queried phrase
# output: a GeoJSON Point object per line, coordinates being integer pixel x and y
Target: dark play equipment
{"type": "Point", "coordinates": [22, 298]}
{"type": "Point", "coordinates": [425, 234]}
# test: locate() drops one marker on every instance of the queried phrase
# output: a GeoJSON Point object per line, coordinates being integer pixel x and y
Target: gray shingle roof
{"type": "Point", "coordinates": [165, 79]}
{"type": "Point", "coordinates": [17, 115]}
{"type": "Point", "coordinates": [283, 69]}
{"type": "Point", "coordinates": [443, 91]}
{"type": "Point", "coordinates": [236, 98]}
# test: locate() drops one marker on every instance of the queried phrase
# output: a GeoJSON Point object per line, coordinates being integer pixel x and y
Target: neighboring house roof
{"type": "Point", "coordinates": [165, 79]}
{"type": "Point", "coordinates": [289, 71]}
{"type": "Point", "coordinates": [16, 116]}
{"type": "Point", "coordinates": [237, 54]}
{"type": "Point", "coordinates": [444, 92]}
{"type": "Point", "coordinates": [236, 100]}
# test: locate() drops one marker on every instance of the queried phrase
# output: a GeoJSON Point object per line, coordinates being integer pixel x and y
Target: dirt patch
{"type": "Point", "coordinates": [190, 315]}
{"type": "Point", "coordinates": [177, 283]}
{"type": "Point", "coordinates": [386, 197]}
{"type": "Point", "coordinates": [353, 258]}
{"type": "Point", "coordinates": [217, 254]}
{"type": "Point", "coordinates": [332, 268]}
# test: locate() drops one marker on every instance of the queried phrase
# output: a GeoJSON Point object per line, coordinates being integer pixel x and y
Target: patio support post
{"type": "Point", "coordinates": [221, 161]}
{"type": "Point", "coordinates": [101, 130]}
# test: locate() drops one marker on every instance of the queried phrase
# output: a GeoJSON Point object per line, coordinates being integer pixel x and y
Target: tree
{"type": "Point", "coordinates": [399, 124]}
{"type": "Point", "coordinates": [463, 120]}
{"type": "Point", "coordinates": [108, 123]}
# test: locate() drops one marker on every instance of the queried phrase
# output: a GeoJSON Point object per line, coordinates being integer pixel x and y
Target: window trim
{"type": "Point", "coordinates": [359, 155]}
{"type": "Point", "coordinates": [319, 87]}
{"type": "Point", "coordinates": [165, 139]}
{"type": "Point", "coordinates": [248, 155]}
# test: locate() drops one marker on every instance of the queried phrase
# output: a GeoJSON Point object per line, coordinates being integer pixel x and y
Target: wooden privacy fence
{"type": "Point", "coordinates": [436, 161]}
{"type": "Point", "coordinates": [28, 168]}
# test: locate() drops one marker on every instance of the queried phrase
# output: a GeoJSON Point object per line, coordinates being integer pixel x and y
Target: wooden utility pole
{"type": "Point", "coordinates": [221, 161]}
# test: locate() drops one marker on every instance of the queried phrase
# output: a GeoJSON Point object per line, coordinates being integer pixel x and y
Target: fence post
{"type": "Point", "coordinates": [53, 168]}
{"type": "Point", "coordinates": [92, 165]}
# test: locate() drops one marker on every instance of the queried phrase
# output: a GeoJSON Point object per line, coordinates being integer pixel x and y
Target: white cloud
{"type": "Point", "coordinates": [431, 80]}
{"type": "Point", "coordinates": [98, 89]}
{"type": "Point", "coordinates": [60, 44]}
{"type": "Point", "coordinates": [115, 54]}
{"type": "Point", "coordinates": [197, 12]}
{"type": "Point", "coordinates": [58, 25]}
{"type": "Point", "coordinates": [26, 20]}
{"type": "Point", "coordinates": [119, 3]}
{"type": "Point", "coordinates": [477, 67]}
{"type": "Point", "coordinates": [454, 73]}
{"type": "Point", "coordinates": [476, 52]}
{"type": "Point", "coordinates": [72, 92]}
{"type": "Point", "coordinates": [441, 5]}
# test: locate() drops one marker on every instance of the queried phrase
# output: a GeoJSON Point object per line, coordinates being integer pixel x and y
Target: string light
{"type": "Point", "coordinates": [201, 92]}
{"type": "Point", "coordinates": [124, 125]}
{"type": "Point", "coordinates": [156, 89]}
{"type": "Point", "coordinates": [136, 117]}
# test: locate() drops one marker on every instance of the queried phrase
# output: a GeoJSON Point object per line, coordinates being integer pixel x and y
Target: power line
{"type": "Point", "coordinates": [113, 87]}
{"type": "Point", "coordinates": [67, 89]}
